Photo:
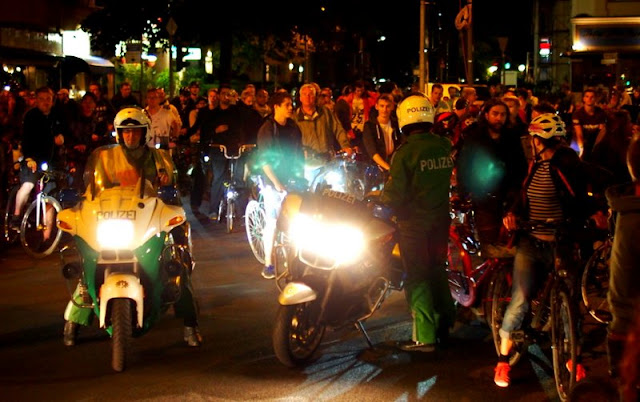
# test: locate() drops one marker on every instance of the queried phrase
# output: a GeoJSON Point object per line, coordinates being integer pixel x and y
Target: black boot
{"type": "Point", "coordinates": [69, 333]}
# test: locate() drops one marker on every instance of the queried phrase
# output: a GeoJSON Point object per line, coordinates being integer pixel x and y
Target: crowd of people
{"type": "Point", "coordinates": [514, 155]}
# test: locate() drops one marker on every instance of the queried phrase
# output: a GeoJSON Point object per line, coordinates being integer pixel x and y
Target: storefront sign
{"type": "Point", "coordinates": [606, 34]}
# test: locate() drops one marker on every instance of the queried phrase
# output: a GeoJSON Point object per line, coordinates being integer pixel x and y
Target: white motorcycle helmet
{"type": "Point", "coordinates": [133, 117]}
{"type": "Point", "coordinates": [415, 109]}
{"type": "Point", "coordinates": [547, 125]}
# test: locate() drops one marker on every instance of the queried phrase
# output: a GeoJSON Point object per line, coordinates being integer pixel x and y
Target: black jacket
{"type": "Point", "coordinates": [373, 138]}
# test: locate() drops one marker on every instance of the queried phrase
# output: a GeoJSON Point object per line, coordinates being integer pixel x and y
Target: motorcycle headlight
{"type": "Point", "coordinates": [340, 243]}
{"type": "Point", "coordinates": [115, 234]}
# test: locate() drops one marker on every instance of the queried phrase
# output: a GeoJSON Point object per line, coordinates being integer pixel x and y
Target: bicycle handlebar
{"type": "Point", "coordinates": [242, 149]}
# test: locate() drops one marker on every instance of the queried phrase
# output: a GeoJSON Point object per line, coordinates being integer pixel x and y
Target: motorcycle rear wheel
{"type": "Point", "coordinates": [122, 333]}
{"type": "Point", "coordinates": [297, 334]}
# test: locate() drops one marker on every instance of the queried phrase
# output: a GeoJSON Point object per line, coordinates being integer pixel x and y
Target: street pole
{"type": "Point", "coordinates": [423, 7]}
{"type": "Point", "coordinates": [470, 45]}
{"type": "Point", "coordinates": [171, 29]}
{"type": "Point", "coordinates": [536, 39]}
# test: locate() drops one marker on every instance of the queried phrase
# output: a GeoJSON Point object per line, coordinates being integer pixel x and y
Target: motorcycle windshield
{"type": "Point", "coordinates": [110, 167]}
{"type": "Point", "coordinates": [353, 177]}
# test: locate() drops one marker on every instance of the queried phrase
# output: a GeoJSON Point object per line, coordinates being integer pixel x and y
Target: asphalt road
{"type": "Point", "coordinates": [236, 361]}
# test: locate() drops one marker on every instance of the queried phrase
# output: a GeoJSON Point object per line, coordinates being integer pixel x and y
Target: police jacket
{"type": "Point", "coordinates": [418, 186]}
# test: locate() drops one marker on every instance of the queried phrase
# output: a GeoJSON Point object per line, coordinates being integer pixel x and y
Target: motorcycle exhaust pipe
{"type": "Point", "coordinates": [72, 270]}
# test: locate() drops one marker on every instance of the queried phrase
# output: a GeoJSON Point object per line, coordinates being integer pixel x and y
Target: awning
{"type": "Point", "coordinates": [91, 61]}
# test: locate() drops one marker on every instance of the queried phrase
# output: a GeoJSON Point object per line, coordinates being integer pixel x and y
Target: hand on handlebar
{"type": "Point", "coordinates": [601, 220]}
{"type": "Point", "coordinates": [31, 164]}
{"type": "Point", "coordinates": [163, 177]}
{"type": "Point", "coordinates": [348, 151]}
{"type": "Point", "coordinates": [509, 221]}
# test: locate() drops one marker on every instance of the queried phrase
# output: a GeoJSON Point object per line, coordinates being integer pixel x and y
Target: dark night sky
{"type": "Point", "coordinates": [399, 22]}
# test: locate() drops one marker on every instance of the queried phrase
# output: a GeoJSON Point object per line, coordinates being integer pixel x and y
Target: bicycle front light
{"type": "Point", "coordinates": [114, 234]}
{"type": "Point", "coordinates": [44, 167]}
{"type": "Point", "coordinates": [340, 243]}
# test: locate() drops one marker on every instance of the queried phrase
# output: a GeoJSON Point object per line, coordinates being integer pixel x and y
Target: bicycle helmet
{"type": "Point", "coordinates": [415, 109]}
{"type": "Point", "coordinates": [133, 117]}
{"type": "Point", "coordinates": [546, 126]}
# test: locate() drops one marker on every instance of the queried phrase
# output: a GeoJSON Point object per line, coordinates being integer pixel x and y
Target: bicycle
{"type": "Point", "coordinates": [553, 309]}
{"type": "Point", "coordinates": [40, 215]}
{"type": "Point", "coordinates": [255, 221]}
{"type": "Point", "coordinates": [595, 283]}
{"type": "Point", "coordinates": [470, 281]}
{"type": "Point", "coordinates": [227, 207]}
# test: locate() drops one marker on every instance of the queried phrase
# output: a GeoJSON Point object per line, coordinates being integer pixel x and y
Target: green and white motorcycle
{"type": "Point", "coordinates": [129, 259]}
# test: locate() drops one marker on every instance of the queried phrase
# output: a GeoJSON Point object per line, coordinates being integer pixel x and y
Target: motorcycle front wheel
{"type": "Point", "coordinates": [297, 334]}
{"type": "Point", "coordinates": [122, 333]}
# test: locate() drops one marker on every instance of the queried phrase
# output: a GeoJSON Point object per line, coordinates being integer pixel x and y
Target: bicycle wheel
{"type": "Point", "coordinates": [595, 283]}
{"type": "Point", "coordinates": [11, 231]}
{"type": "Point", "coordinates": [461, 286]}
{"type": "Point", "coordinates": [221, 209]}
{"type": "Point", "coordinates": [32, 233]}
{"type": "Point", "coordinates": [231, 207]}
{"type": "Point", "coordinates": [254, 218]}
{"type": "Point", "coordinates": [500, 299]}
{"type": "Point", "coordinates": [563, 340]}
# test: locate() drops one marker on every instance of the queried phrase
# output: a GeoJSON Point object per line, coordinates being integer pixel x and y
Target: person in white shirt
{"type": "Point", "coordinates": [165, 126]}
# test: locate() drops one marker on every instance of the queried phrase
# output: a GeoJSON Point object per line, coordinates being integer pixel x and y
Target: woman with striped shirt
{"type": "Point", "coordinates": [555, 189]}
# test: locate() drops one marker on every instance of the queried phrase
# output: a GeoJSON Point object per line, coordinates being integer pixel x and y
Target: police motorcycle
{"type": "Point", "coordinates": [130, 254]}
{"type": "Point", "coordinates": [341, 261]}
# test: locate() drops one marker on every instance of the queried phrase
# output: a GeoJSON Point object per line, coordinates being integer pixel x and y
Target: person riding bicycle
{"type": "Point", "coordinates": [282, 160]}
{"type": "Point", "coordinates": [555, 189]}
{"type": "Point", "coordinates": [42, 141]}
{"type": "Point", "coordinates": [120, 165]}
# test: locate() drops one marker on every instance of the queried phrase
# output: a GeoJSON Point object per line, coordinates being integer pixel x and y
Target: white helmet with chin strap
{"type": "Point", "coordinates": [133, 117]}
{"type": "Point", "coordinates": [415, 109]}
{"type": "Point", "coordinates": [546, 126]}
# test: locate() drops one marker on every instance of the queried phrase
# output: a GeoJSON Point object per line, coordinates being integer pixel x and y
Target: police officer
{"type": "Point", "coordinates": [418, 191]}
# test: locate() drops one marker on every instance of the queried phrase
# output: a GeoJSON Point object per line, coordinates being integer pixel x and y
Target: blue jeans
{"type": "Point", "coordinates": [531, 256]}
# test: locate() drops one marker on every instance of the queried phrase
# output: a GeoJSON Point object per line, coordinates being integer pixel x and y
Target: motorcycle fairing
{"type": "Point", "coordinates": [296, 293]}
{"type": "Point", "coordinates": [148, 260]}
{"type": "Point", "coordinates": [123, 286]}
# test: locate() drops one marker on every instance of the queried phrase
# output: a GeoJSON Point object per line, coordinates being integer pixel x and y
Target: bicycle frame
{"type": "Point", "coordinates": [230, 194]}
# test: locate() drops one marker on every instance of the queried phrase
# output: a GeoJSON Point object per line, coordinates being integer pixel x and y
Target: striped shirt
{"type": "Point", "coordinates": [544, 203]}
